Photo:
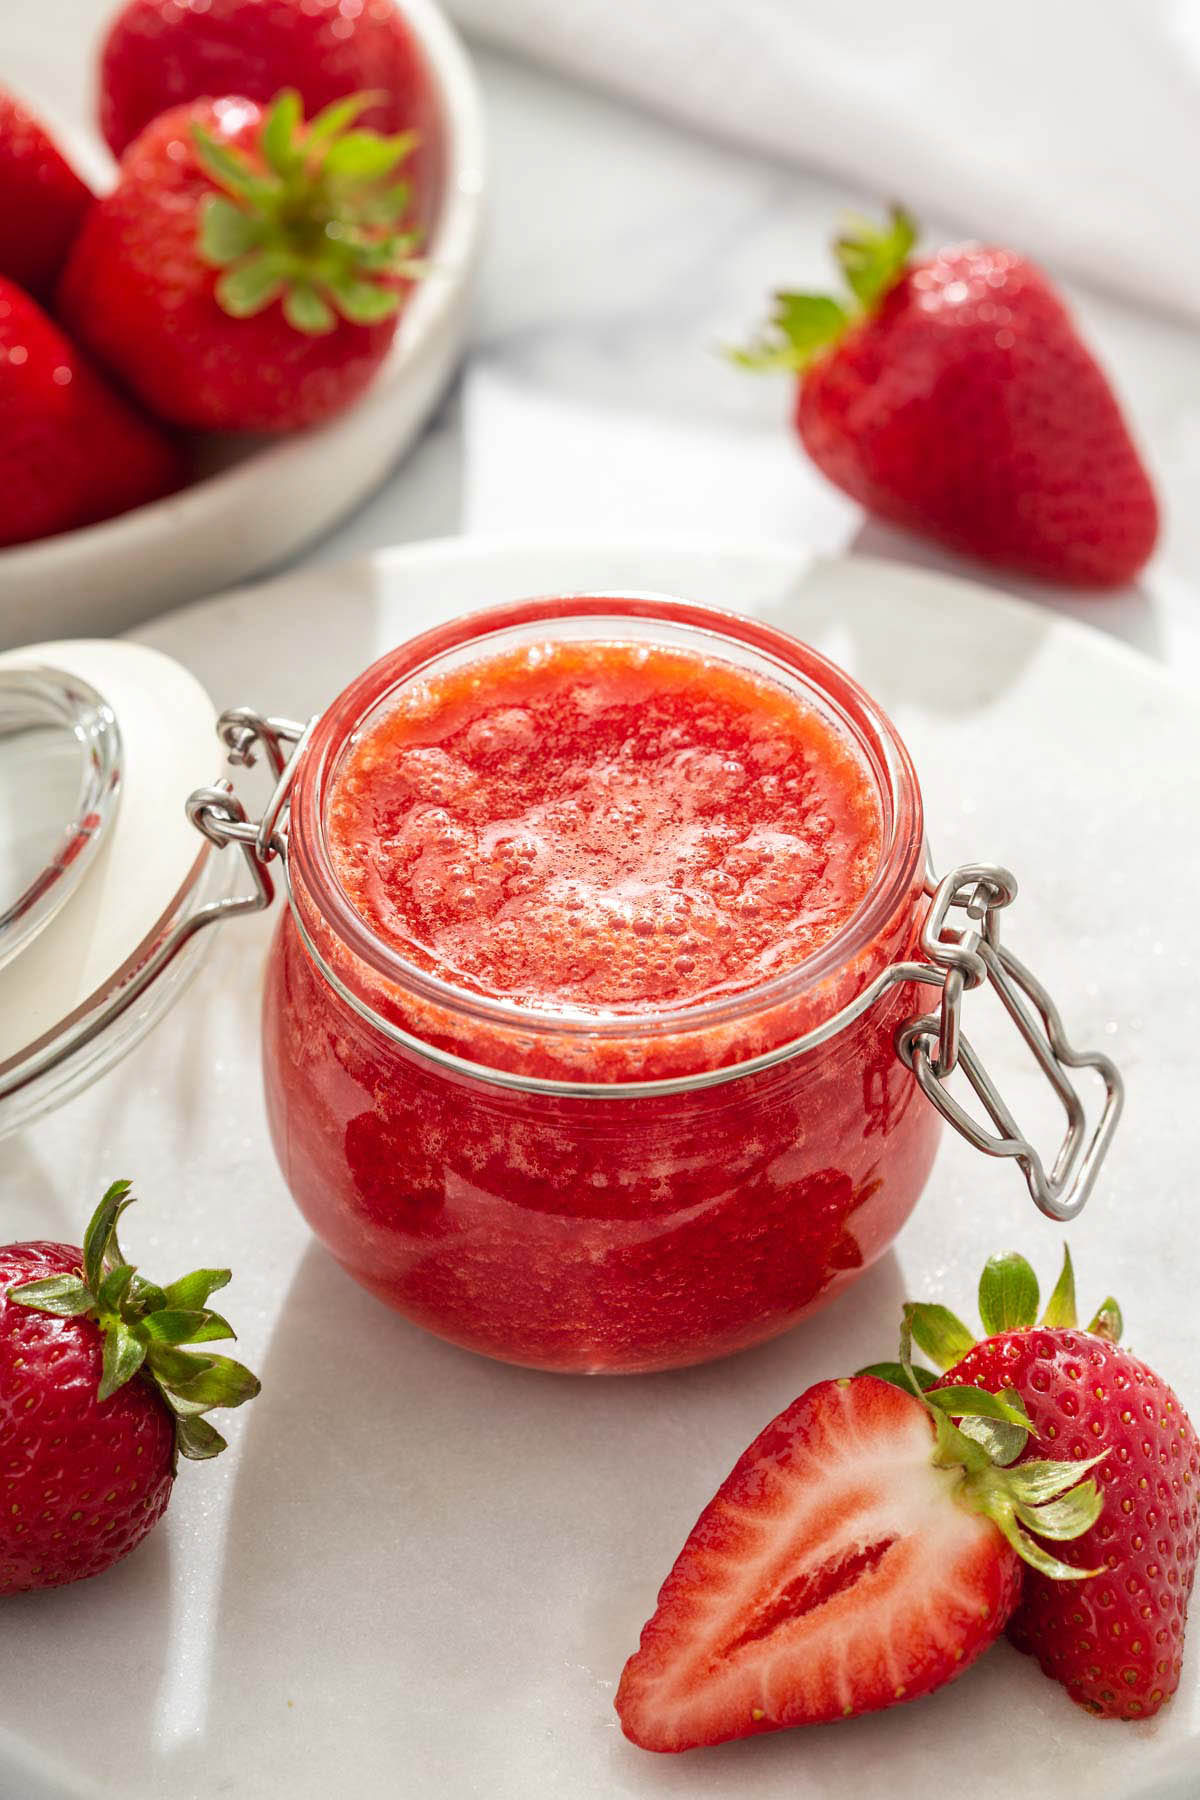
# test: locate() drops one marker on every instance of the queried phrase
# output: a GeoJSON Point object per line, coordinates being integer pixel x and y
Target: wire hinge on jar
{"type": "Point", "coordinates": [933, 1046]}
{"type": "Point", "coordinates": [219, 814]}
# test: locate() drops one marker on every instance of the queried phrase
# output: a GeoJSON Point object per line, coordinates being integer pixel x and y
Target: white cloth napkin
{"type": "Point", "coordinates": [1068, 128]}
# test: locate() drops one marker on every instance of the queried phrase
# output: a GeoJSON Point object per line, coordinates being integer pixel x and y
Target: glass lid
{"type": "Point", "coordinates": [60, 779]}
{"type": "Point", "coordinates": [101, 741]}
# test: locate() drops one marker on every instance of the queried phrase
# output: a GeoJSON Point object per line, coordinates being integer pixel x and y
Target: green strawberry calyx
{"type": "Point", "coordinates": [1008, 1301]}
{"type": "Point", "coordinates": [316, 220]}
{"type": "Point", "coordinates": [802, 327]}
{"type": "Point", "coordinates": [145, 1328]}
{"type": "Point", "coordinates": [1048, 1499]}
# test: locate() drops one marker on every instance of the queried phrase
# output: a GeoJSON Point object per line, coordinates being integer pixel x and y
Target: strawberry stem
{"type": "Point", "coordinates": [940, 1333]}
{"type": "Point", "coordinates": [873, 258]}
{"type": "Point", "coordinates": [1008, 1295]}
{"type": "Point", "coordinates": [1061, 1310]}
{"type": "Point", "coordinates": [1107, 1322]}
{"type": "Point", "coordinates": [143, 1327]}
{"type": "Point", "coordinates": [982, 1433]}
{"type": "Point", "coordinates": [804, 326]}
{"type": "Point", "coordinates": [314, 220]}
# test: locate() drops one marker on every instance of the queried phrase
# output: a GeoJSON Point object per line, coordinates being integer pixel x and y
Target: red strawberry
{"type": "Point", "coordinates": [245, 274]}
{"type": "Point", "coordinates": [862, 1552]}
{"type": "Point", "coordinates": [42, 200]}
{"type": "Point", "coordinates": [97, 1399]}
{"type": "Point", "coordinates": [72, 449]}
{"type": "Point", "coordinates": [161, 53]}
{"type": "Point", "coordinates": [1115, 1642]}
{"type": "Point", "coordinates": [955, 397]}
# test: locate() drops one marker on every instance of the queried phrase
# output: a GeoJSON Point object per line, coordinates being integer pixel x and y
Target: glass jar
{"type": "Point", "coordinates": [602, 1209]}
{"type": "Point", "coordinates": [601, 1191]}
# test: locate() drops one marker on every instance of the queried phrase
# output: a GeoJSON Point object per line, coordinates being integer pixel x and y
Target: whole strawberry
{"type": "Point", "coordinates": [72, 449]}
{"type": "Point", "coordinates": [247, 271]}
{"type": "Point", "coordinates": [98, 1398]}
{"type": "Point", "coordinates": [160, 53]}
{"type": "Point", "coordinates": [42, 200]}
{"type": "Point", "coordinates": [955, 397]}
{"type": "Point", "coordinates": [862, 1552]}
{"type": "Point", "coordinates": [1116, 1641]}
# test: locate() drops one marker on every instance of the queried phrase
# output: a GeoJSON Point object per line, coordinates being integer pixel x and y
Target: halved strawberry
{"type": "Point", "coordinates": [863, 1551]}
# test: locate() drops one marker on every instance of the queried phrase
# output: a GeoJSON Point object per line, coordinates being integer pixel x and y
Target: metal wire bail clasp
{"type": "Point", "coordinates": [934, 1045]}
{"type": "Point", "coordinates": [219, 814]}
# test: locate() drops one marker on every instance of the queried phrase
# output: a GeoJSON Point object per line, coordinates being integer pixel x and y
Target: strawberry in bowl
{"type": "Point", "coordinates": [954, 396]}
{"type": "Point", "coordinates": [159, 53]}
{"type": "Point", "coordinates": [248, 269]}
{"type": "Point", "coordinates": [42, 200]}
{"type": "Point", "coordinates": [73, 449]}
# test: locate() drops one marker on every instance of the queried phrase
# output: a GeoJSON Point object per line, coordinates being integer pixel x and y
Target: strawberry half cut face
{"type": "Point", "coordinates": [839, 1570]}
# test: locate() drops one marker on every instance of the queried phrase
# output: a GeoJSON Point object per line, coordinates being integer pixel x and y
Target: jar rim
{"type": "Point", "coordinates": [901, 855]}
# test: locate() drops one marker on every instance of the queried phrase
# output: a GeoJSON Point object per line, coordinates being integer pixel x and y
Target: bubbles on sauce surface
{"type": "Point", "coordinates": [604, 825]}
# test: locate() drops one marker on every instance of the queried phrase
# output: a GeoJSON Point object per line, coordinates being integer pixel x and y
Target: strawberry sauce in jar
{"type": "Point", "coordinates": [569, 879]}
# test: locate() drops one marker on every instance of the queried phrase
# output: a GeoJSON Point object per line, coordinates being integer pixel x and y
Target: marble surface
{"type": "Point", "coordinates": [623, 252]}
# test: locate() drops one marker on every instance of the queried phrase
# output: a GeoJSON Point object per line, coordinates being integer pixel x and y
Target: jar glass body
{"type": "Point", "coordinates": [578, 1218]}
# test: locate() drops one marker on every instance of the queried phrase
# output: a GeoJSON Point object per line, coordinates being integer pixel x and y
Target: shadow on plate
{"type": "Point", "coordinates": [1127, 613]}
{"type": "Point", "coordinates": [91, 1651]}
{"type": "Point", "coordinates": [439, 1563]}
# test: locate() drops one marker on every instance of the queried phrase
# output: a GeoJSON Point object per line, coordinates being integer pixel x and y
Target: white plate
{"type": "Point", "coordinates": [273, 496]}
{"type": "Point", "coordinates": [416, 1573]}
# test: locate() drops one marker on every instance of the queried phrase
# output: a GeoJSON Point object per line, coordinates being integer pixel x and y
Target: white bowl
{"type": "Point", "coordinates": [272, 497]}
